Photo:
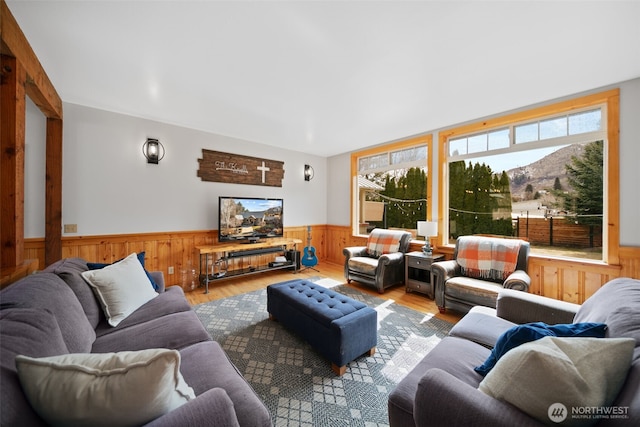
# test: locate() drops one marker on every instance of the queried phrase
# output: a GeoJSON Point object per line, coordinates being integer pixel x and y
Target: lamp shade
{"type": "Point", "coordinates": [427, 228]}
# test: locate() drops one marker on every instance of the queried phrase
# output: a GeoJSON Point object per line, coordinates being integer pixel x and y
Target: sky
{"type": "Point", "coordinates": [508, 161]}
{"type": "Point", "coordinates": [258, 205]}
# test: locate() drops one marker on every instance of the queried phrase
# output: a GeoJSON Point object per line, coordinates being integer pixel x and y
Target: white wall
{"type": "Point", "coordinates": [630, 163]}
{"type": "Point", "coordinates": [108, 188]}
{"type": "Point", "coordinates": [629, 167]}
{"type": "Point", "coordinates": [34, 164]}
{"type": "Point", "coordinates": [338, 180]}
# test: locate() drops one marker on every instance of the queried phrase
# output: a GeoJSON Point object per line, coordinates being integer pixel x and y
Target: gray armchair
{"type": "Point", "coordinates": [480, 268]}
{"type": "Point", "coordinates": [381, 263]}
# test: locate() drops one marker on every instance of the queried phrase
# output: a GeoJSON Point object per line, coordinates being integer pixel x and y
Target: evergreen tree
{"type": "Point", "coordinates": [504, 183]}
{"type": "Point", "coordinates": [585, 175]}
{"type": "Point", "coordinates": [406, 195]}
{"type": "Point", "coordinates": [415, 192]}
{"type": "Point", "coordinates": [476, 195]}
{"type": "Point", "coordinates": [503, 225]}
{"type": "Point", "coordinates": [457, 187]}
{"type": "Point", "coordinates": [528, 192]}
{"type": "Point", "coordinates": [483, 204]}
{"type": "Point", "coordinates": [557, 186]}
{"type": "Point", "coordinates": [392, 211]}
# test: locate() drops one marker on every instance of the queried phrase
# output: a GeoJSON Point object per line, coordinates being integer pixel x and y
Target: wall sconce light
{"type": "Point", "coordinates": [153, 150]}
{"type": "Point", "coordinates": [308, 173]}
{"type": "Point", "coordinates": [427, 229]}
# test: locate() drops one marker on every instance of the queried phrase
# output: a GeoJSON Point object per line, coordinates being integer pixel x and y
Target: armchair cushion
{"type": "Point", "coordinates": [480, 291]}
{"type": "Point", "coordinates": [522, 334]}
{"type": "Point", "coordinates": [574, 372]}
{"type": "Point", "coordinates": [364, 265]}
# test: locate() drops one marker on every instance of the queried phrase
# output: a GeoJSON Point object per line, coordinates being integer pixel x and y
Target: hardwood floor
{"type": "Point", "coordinates": [239, 285]}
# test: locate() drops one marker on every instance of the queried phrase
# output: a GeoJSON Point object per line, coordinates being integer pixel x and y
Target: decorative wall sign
{"type": "Point", "coordinates": [217, 166]}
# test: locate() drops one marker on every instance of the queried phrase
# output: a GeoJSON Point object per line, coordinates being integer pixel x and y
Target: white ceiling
{"type": "Point", "coordinates": [327, 77]}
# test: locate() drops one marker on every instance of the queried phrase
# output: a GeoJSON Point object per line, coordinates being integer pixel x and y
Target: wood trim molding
{"type": "Point", "coordinates": [426, 139]}
{"type": "Point", "coordinates": [611, 99]}
{"type": "Point", "coordinates": [163, 250]}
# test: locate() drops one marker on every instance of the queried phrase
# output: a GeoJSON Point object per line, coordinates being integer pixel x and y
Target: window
{"type": "Point", "coordinates": [390, 186]}
{"type": "Point", "coordinates": [558, 127]}
{"type": "Point", "coordinates": [542, 175]}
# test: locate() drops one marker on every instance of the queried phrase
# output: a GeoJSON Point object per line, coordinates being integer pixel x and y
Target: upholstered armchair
{"type": "Point", "coordinates": [381, 262]}
{"type": "Point", "coordinates": [480, 268]}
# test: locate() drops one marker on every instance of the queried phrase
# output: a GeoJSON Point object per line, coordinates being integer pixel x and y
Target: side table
{"type": "Point", "coordinates": [417, 272]}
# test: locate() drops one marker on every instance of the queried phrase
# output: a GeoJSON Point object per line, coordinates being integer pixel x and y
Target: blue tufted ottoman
{"type": "Point", "coordinates": [336, 326]}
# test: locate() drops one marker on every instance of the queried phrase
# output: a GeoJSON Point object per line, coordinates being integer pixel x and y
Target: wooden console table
{"type": "Point", "coordinates": [220, 254]}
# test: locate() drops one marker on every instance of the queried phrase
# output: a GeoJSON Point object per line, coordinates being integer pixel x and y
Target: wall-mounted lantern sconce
{"type": "Point", "coordinates": [308, 173]}
{"type": "Point", "coordinates": [153, 150]}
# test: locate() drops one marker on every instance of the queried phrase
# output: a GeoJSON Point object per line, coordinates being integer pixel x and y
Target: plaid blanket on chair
{"type": "Point", "coordinates": [487, 257]}
{"type": "Point", "coordinates": [382, 242]}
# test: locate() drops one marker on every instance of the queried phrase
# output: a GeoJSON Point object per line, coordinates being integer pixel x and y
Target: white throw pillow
{"type": "Point", "coordinates": [121, 287]}
{"type": "Point", "coordinates": [574, 372]}
{"type": "Point", "coordinates": [104, 389]}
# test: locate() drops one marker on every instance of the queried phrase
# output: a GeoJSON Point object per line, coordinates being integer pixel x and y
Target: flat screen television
{"type": "Point", "coordinates": [249, 219]}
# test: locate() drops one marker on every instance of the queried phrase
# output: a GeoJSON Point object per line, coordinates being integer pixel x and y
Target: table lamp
{"type": "Point", "coordinates": [427, 229]}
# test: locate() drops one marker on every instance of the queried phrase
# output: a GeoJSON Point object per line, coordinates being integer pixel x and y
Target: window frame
{"type": "Point", "coordinates": [392, 146]}
{"type": "Point", "coordinates": [610, 101]}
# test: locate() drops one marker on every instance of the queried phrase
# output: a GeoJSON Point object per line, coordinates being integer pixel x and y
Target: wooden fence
{"type": "Point", "coordinates": [558, 231]}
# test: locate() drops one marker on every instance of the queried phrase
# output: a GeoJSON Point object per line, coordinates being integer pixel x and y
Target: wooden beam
{"type": "Point", "coordinates": [39, 87]}
{"type": "Point", "coordinates": [23, 75]}
{"type": "Point", "coordinates": [12, 117]}
{"type": "Point", "coordinates": [53, 192]}
{"type": "Point", "coordinates": [612, 182]}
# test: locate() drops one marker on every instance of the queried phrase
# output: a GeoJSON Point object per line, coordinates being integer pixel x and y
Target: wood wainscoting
{"type": "Point", "coordinates": [563, 279]}
{"type": "Point", "coordinates": [162, 250]}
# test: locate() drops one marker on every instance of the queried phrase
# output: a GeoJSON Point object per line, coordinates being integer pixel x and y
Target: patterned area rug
{"type": "Point", "coordinates": [298, 385]}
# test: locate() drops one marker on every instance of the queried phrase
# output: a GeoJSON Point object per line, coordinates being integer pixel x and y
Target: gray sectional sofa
{"type": "Point", "coordinates": [55, 312]}
{"type": "Point", "coordinates": [445, 390]}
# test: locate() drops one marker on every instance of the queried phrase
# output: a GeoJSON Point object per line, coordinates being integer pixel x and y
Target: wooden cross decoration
{"type": "Point", "coordinates": [216, 166]}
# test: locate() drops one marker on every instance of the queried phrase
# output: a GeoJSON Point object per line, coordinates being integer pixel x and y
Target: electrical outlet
{"type": "Point", "coordinates": [171, 271]}
{"type": "Point", "coordinates": [71, 228]}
